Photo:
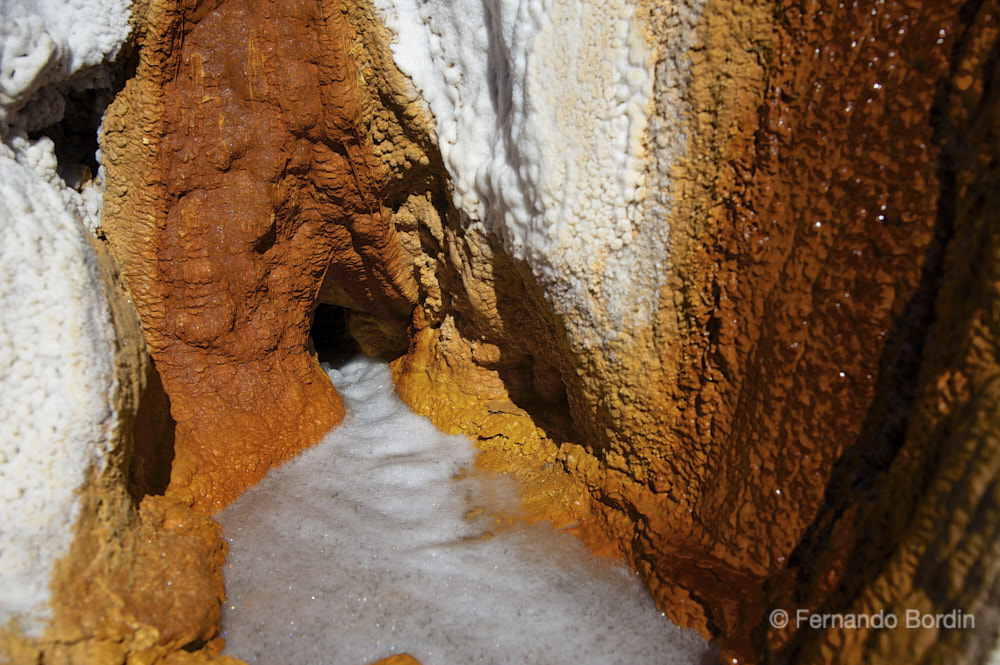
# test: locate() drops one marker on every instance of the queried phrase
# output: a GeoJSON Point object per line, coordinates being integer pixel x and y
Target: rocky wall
{"type": "Point", "coordinates": [240, 191]}
{"type": "Point", "coordinates": [829, 166]}
{"type": "Point", "coordinates": [830, 261]}
{"type": "Point", "coordinates": [805, 256]}
{"type": "Point", "coordinates": [909, 525]}
{"type": "Point", "coordinates": [141, 581]}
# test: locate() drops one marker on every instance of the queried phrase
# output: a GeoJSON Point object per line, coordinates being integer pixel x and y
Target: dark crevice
{"type": "Point", "coordinates": [153, 444]}
{"type": "Point", "coordinates": [267, 240]}
{"type": "Point", "coordinates": [330, 338]}
{"type": "Point", "coordinates": [533, 385]}
{"type": "Point", "coordinates": [539, 390]}
{"type": "Point", "coordinates": [76, 134]}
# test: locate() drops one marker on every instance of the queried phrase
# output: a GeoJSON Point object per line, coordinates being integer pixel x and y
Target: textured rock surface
{"type": "Point", "coordinates": [822, 287]}
{"type": "Point", "coordinates": [89, 575]}
{"type": "Point", "coordinates": [805, 245]}
{"type": "Point", "coordinates": [402, 659]}
{"type": "Point", "coordinates": [910, 520]}
{"type": "Point", "coordinates": [830, 174]}
{"type": "Point", "coordinates": [240, 187]}
{"type": "Point", "coordinates": [51, 47]}
{"type": "Point", "coordinates": [136, 583]}
{"type": "Point", "coordinates": [61, 369]}
{"type": "Point", "coordinates": [139, 586]}
{"type": "Point", "coordinates": [57, 374]}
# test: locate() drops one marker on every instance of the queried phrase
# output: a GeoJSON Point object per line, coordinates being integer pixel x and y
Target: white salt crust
{"type": "Point", "coordinates": [541, 110]}
{"type": "Point", "coordinates": [363, 547]}
{"type": "Point", "coordinates": [45, 42]}
{"type": "Point", "coordinates": [57, 378]}
{"type": "Point", "coordinates": [56, 374]}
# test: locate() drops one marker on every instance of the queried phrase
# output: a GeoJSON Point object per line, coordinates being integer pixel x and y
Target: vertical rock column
{"type": "Point", "coordinates": [238, 181]}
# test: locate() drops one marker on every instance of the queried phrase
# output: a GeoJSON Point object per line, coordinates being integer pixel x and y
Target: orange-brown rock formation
{"type": "Point", "coordinates": [401, 659]}
{"type": "Point", "coordinates": [239, 183]}
{"type": "Point", "coordinates": [805, 260]}
{"type": "Point", "coordinates": [793, 429]}
{"type": "Point", "coordinates": [910, 519]}
{"type": "Point", "coordinates": [832, 228]}
{"type": "Point", "coordinates": [137, 586]}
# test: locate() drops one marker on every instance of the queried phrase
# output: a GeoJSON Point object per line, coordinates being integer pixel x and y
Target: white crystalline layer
{"type": "Point", "coordinates": [56, 337]}
{"type": "Point", "coordinates": [47, 41]}
{"type": "Point", "coordinates": [361, 547]}
{"type": "Point", "coordinates": [541, 111]}
{"type": "Point", "coordinates": [56, 375]}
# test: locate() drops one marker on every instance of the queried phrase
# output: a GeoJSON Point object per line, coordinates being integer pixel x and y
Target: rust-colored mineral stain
{"type": "Point", "coordinates": [918, 535]}
{"type": "Point", "coordinates": [401, 659]}
{"type": "Point", "coordinates": [818, 292]}
{"type": "Point", "coordinates": [263, 189]}
{"type": "Point", "coordinates": [804, 300]}
{"type": "Point", "coordinates": [827, 248]}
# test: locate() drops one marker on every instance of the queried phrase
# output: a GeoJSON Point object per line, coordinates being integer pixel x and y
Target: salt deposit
{"type": "Point", "coordinates": [56, 336]}
{"type": "Point", "coordinates": [542, 111]}
{"type": "Point", "coordinates": [43, 43]}
{"type": "Point", "coordinates": [56, 374]}
{"type": "Point", "coordinates": [370, 544]}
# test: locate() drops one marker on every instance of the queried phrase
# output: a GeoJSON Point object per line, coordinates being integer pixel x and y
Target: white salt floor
{"type": "Point", "coordinates": [362, 547]}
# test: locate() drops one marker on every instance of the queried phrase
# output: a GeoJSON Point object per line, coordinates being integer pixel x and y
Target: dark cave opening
{"type": "Point", "coordinates": [85, 98]}
{"type": "Point", "coordinates": [76, 135]}
{"type": "Point", "coordinates": [329, 336]}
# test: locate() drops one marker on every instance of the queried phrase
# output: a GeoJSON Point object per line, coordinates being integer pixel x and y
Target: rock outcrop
{"type": "Point", "coordinates": [909, 522]}
{"type": "Point", "coordinates": [241, 191]}
{"type": "Point", "coordinates": [758, 361]}
{"type": "Point", "coordinates": [93, 570]}
{"type": "Point", "coordinates": [93, 575]}
{"type": "Point", "coordinates": [811, 212]}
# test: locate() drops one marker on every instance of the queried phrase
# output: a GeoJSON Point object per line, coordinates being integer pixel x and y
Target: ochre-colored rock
{"type": "Point", "coordinates": [401, 659]}
{"type": "Point", "coordinates": [822, 277]}
{"type": "Point", "coordinates": [139, 586]}
{"type": "Point", "coordinates": [240, 183]}
{"type": "Point", "coordinates": [439, 377]}
{"type": "Point", "coordinates": [806, 253]}
{"type": "Point", "coordinates": [807, 423]}
{"type": "Point", "coordinates": [911, 522]}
